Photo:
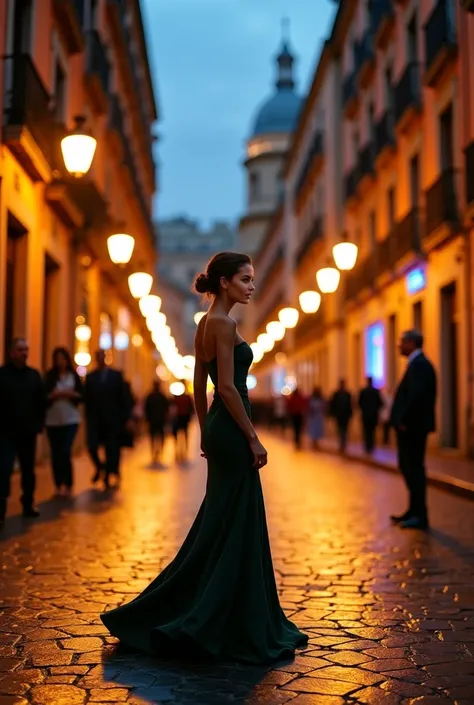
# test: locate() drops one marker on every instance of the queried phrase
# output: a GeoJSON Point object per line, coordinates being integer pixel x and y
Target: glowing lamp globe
{"type": "Point", "coordinates": [78, 149]}
{"type": "Point", "coordinates": [121, 340]}
{"type": "Point", "coordinates": [120, 247]}
{"type": "Point", "coordinates": [105, 340]}
{"type": "Point", "coordinates": [82, 359]}
{"type": "Point", "coordinates": [198, 316]}
{"type": "Point", "coordinates": [276, 330]}
{"type": "Point", "coordinates": [328, 279]}
{"type": "Point", "coordinates": [177, 389]}
{"type": "Point", "coordinates": [251, 382]}
{"type": "Point", "coordinates": [137, 340]}
{"type": "Point", "coordinates": [345, 255]}
{"type": "Point", "coordinates": [83, 333]}
{"type": "Point", "coordinates": [265, 342]}
{"type": "Point", "coordinates": [257, 351]}
{"type": "Point", "coordinates": [156, 321]}
{"type": "Point", "coordinates": [310, 301]}
{"type": "Point", "coordinates": [140, 284]}
{"type": "Point", "coordinates": [289, 317]}
{"type": "Point", "coordinates": [149, 305]}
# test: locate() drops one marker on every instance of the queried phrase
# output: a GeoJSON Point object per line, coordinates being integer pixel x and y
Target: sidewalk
{"type": "Point", "coordinates": [452, 473]}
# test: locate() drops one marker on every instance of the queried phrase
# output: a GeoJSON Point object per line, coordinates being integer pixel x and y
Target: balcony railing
{"type": "Point", "coordinates": [408, 91]}
{"type": "Point", "coordinates": [385, 258]}
{"type": "Point", "coordinates": [440, 36]}
{"type": "Point", "coordinates": [469, 173]}
{"type": "Point", "coordinates": [314, 233]}
{"type": "Point", "coordinates": [407, 235]}
{"type": "Point", "coordinates": [116, 116]}
{"type": "Point", "coordinates": [27, 104]}
{"type": "Point", "coordinates": [384, 133]}
{"type": "Point", "coordinates": [442, 204]}
{"type": "Point", "coordinates": [96, 60]}
{"type": "Point", "coordinates": [350, 183]}
{"type": "Point", "coordinates": [315, 151]}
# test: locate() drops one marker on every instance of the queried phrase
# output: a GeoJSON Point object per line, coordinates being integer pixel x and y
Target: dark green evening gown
{"type": "Point", "coordinates": [218, 597]}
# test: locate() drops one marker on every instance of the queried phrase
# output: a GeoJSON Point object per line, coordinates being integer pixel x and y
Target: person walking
{"type": "Point", "coordinates": [108, 407]}
{"type": "Point", "coordinates": [297, 407]}
{"type": "Point", "coordinates": [385, 412]}
{"type": "Point", "coordinates": [218, 597]}
{"type": "Point", "coordinates": [341, 411]}
{"type": "Point", "coordinates": [22, 411]}
{"type": "Point", "coordinates": [64, 394]}
{"type": "Point", "coordinates": [370, 403]}
{"type": "Point", "coordinates": [183, 409]}
{"type": "Point", "coordinates": [156, 415]}
{"type": "Point", "coordinates": [315, 420]}
{"type": "Point", "coordinates": [413, 417]}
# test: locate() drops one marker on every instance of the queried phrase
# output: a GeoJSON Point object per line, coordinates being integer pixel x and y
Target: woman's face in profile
{"type": "Point", "coordinates": [241, 287]}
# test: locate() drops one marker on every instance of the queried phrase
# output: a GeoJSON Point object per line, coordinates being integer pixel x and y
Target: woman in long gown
{"type": "Point", "coordinates": [218, 597]}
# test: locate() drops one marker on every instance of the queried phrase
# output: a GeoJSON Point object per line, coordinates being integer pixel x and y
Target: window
{"type": "Point", "coordinates": [254, 187]}
{"type": "Point", "coordinates": [418, 316]}
{"type": "Point", "coordinates": [59, 93]}
{"type": "Point", "coordinates": [372, 229]}
{"type": "Point", "coordinates": [412, 39]}
{"type": "Point", "coordinates": [371, 125]}
{"type": "Point", "coordinates": [415, 181]}
{"type": "Point", "coordinates": [391, 208]}
{"type": "Point", "coordinates": [389, 89]}
{"type": "Point", "coordinates": [446, 138]}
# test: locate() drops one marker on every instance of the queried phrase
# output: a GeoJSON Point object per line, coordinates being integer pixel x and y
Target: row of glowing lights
{"type": "Point", "coordinates": [327, 278]}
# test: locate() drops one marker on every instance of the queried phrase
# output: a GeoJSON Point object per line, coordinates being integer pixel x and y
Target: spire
{"type": "Point", "coordinates": [285, 58]}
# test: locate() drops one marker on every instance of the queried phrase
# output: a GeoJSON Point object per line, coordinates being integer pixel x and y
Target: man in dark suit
{"type": "Point", "coordinates": [340, 408]}
{"type": "Point", "coordinates": [108, 412]}
{"type": "Point", "coordinates": [370, 403]}
{"type": "Point", "coordinates": [413, 417]}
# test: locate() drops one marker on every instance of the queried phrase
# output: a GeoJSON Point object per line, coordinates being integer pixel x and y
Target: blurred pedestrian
{"type": "Point", "coordinates": [341, 411]}
{"type": "Point", "coordinates": [386, 410]}
{"type": "Point", "coordinates": [22, 411]}
{"type": "Point", "coordinates": [183, 411]}
{"type": "Point", "coordinates": [316, 411]}
{"type": "Point", "coordinates": [413, 417]}
{"type": "Point", "coordinates": [108, 412]}
{"type": "Point", "coordinates": [156, 415]}
{"type": "Point", "coordinates": [297, 406]}
{"type": "Point", "coordinates": [280, 412]}
{"type": "Point", "coordinates": [370, 403]}
{"type": "Point", "coordinates": [64, 394]}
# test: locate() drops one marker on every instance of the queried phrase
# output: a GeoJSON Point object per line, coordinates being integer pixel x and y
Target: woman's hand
{"type": "Point", "coordinates": [259, 454]}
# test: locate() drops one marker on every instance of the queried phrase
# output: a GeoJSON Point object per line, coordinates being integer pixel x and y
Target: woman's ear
{"type": "Point", "coordinates": [224, 283]}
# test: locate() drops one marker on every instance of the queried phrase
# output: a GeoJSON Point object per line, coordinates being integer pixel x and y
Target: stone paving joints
{"type": "Point", "coordinates": [390, 615]}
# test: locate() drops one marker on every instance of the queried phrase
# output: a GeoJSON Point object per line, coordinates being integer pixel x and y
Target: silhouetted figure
{"type": "Point", "coordinates": [316, 412]}
{"type": "Point", "coordinates": [156, 414]}
{"type": "Point", "coordinates": [413, 417]}
{"type": "Point", "coordinates": [108, 412]}
{"type": "Point", "coordinates": [64, 394]}
{"type": "Point", "coordinates": [183, 408]}
{"type": "Point", "coordinates": [22, 410]}
{"type": "Point", "coordinates": [370, 403]}
{"type": "Point", "coordinates": [297, 406]}
{"type": "Point", "coordinates": [341, 410]}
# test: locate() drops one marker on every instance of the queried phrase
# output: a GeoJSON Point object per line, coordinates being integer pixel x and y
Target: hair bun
{"type": "Point", "coordinates": [201, 283]}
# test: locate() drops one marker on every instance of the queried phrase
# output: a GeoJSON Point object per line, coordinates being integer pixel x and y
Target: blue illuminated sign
{"type": "Point", "coordinates": [416, 280]}
{"type": "Point", "coordinates": [375, 354]}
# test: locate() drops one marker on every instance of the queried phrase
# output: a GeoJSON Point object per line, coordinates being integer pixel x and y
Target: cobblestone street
{"type": "Point", "coordinates": [390, 613]}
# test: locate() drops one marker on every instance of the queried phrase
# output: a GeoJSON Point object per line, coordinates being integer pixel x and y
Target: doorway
{"type": "Point", "coordinates": [50, 303]}
{"type": "Point", "coordinates": [15, 284]}
{"type": "Point", "coordinates": [449, 367]}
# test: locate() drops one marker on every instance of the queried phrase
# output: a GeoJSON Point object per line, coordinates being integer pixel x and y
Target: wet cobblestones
{"type": "Point", "coordinates": [390, 613]}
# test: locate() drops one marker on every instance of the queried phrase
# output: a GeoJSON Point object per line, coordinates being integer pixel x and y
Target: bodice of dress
{"type": "Point", "coordinates": [243, 358]}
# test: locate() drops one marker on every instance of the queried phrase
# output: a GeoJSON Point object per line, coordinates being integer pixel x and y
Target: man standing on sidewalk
{"type": "Point", "coordinates": [413, 417]}
{"type": "Point", "coordinates": [340, 409]}
{"type": "Point", "coordinates": [22, 412]}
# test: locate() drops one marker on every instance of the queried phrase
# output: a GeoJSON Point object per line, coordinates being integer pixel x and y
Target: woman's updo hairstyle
{"type": "Point", "coordinates": [224, 264]}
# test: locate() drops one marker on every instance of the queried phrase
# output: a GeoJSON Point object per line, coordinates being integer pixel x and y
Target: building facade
{"type": "Point", "coordinates": [60, 60]}
{"type": "Point", "coordinates": [381, 158]}
{"type": "Point", "coordinates": [185, 248]}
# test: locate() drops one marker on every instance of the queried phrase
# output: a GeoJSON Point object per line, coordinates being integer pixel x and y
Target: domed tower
{"type": "Point", "coordinates": [266, 150]}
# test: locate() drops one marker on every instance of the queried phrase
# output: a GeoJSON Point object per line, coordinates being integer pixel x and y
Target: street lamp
{"type": "Point", "coordinates": [257, 352]}
{"type": "Point", "coordinates": [140, 284]}
{"type": "Point", "coordinates": [289, 316]}
{"type": "Point", "coordinates": [328, 279]}
{"type": "Point", "coordinates": [310, 301]}
{"type": "Point", "coordinates": [83, 333]}
{"type": "Point", "coordinates": [149, 305]}
{"type": "Point", "coordinates": [345, 255]}
{"type": "Point", "coordinates": [78, 149]}
{"type": "Point", "coordinates": [120, 247]}
{"type": "Point", "coordinates": [276, 330]}
{"type": "Point", "coordinates": [266, 342]}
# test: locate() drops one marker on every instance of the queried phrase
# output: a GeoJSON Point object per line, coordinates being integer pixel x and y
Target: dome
{"type": "Point", "coordinates": [278, 114]}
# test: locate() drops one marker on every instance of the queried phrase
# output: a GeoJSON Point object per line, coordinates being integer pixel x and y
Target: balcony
{"type": "Point", "coordinates": [440, 40]}
{"type": "Point", "coordinates": [350, 185]}
{"type": "Point", "coordinates": [29, 128]}
{"type": "Point", "coordinates": [469, 174]}
{"type": "Point", "coordinates": [350, 100]}
{"type": "Point", "coordinates": [384, 135]}
{"type": "Point", "coordinates": [97, 72]}
{"type": "Point", "coordinates": [408, 96]}
{"type": "Point", "coordinates": [364, 57]}
{"type": "Point", "coordinates": [442, 202]}
{"type": "Point", "coordinates": [407, 235]}
{"type": "Point", "coordinates": [69, 16]}
{"type": "Point", "coordinates": [383, 21]}
{"type": "Point", "coordinates": [313, 160]}
{"type": "Point", "coordinates": [314, 234]}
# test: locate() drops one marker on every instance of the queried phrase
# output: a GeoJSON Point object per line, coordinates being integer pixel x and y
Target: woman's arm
{"type": "Point", "coordinates": [200, 389]}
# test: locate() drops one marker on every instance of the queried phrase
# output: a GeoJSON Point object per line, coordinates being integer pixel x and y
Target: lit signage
{"type": "Point", "coordinates": [416, 280]}
{"type": "Point", "coordinates": [375, 354]}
